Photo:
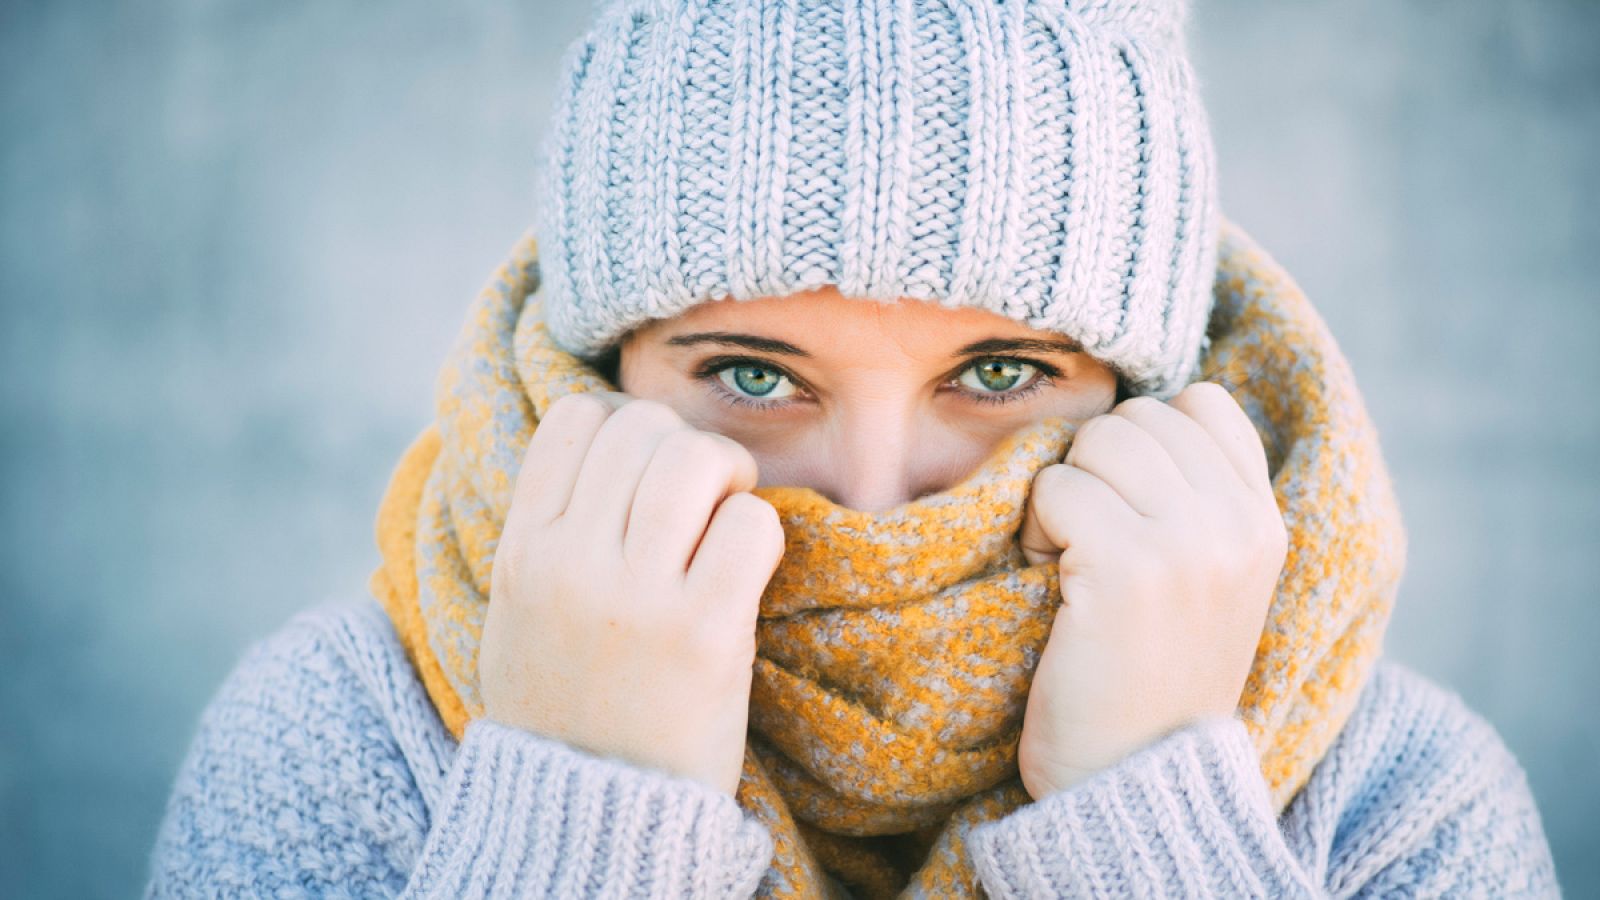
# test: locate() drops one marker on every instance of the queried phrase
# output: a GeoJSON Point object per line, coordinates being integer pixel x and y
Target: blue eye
{"type": "Point", "coordinates": [759, 382]}
{"type": "Point", "coordinates": [997, 375]}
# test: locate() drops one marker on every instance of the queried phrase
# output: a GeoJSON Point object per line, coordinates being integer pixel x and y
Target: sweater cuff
{"type": "Point", "coordinates": [527, 815]}
{"type": "Point", "coordinates": [1186, 815]}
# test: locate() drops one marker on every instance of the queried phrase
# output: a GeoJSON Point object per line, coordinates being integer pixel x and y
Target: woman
{"type": "Point", "coordinates": [885, 474]}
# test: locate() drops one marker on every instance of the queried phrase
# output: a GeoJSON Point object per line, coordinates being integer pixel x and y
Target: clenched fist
{"type": "Point", "coordinates": [1170, 543]}
{"type": "Point", "coordinates": [625, 587]}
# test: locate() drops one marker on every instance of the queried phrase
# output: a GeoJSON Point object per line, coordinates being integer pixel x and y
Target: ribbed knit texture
{"type": "Point", "coordinates": [320, 769]}
{"type": "Point", "coordinates": [1050, 162]}
{"type": "Point", "coordinates": [895, 649]}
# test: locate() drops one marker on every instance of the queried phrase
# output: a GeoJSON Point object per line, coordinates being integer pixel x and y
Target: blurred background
{"type": "Point", "coordinates": [237, 239]}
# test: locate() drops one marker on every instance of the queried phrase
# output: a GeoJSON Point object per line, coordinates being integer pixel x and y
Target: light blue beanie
{"type": "Point", "coordinates": [1047, 161]}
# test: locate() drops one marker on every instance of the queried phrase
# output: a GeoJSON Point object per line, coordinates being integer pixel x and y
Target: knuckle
{"type": "Point", "coordinates": [1253, 535]}
{"type": "Point", "coordinates": [648, 414]}
{"type": "Point", "coordinates": [757, 520]}
{"type": "Point", "coordinates": [750, 511]}
{"type": "Point", "coordinates": [726, 453]}
{"type": "Point", "coordinates": [684, 446]}
{"type": "Point", "coordinates": [1113, 429]}
{"type": "Point", "coordinates": [1142, 405]}
{"type": "Point", "coordinates": [1055, 483]}
{"type": "Point", "coordinates": [1051, 478]}
{"type": "Point", "coordinates": [1211, 395]}
{"type": "Point", "coordinates": [768, 527]}
{"type": "Point", "coordinates": [570, 415]}
{"type": "Point", "coordinates": [578, 405]}
{"type": "Point", "coordinates": [1101, 435]}
{"type": "Point", "coordinates": [1259, 515]}
{"type": "Point", "coordinates": [1086, 438]}
{"type": "Point", "coordinates": [1208, 390]}
{"type": "Point", "coordinates": [731, 450]}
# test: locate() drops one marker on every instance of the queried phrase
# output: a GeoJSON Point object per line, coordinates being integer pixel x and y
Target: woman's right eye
{"type": "Point", "coordinates": [756, 382]}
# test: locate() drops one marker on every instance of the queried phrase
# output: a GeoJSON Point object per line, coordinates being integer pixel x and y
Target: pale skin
{"type": "Point", "coordinates": [625, 590]}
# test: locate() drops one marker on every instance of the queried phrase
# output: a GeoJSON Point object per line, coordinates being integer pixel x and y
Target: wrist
{"type": "Point", "coordinates": [1042, 776]}
{"type": "Point", "coordinates": [1042, 781]}
{"type": "Point", "coordinates": [1041, 764]}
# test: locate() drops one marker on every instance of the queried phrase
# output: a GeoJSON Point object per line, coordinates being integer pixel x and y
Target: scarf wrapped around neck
{"type": "Point", "coordinates": [895, 649]}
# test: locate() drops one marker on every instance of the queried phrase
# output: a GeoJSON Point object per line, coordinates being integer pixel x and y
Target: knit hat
{"type": "Point", "coordinates": [1047, 160]}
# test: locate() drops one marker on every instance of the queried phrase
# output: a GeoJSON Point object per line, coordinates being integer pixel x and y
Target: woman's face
{"type": "Point", "coordinates": [871, 404]}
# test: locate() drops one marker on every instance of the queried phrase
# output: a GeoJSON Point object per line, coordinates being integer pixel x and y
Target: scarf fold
{"type": "Point", "coordinates": [895, 649]}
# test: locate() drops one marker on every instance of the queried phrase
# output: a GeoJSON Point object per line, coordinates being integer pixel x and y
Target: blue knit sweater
{"type": "Point", "coordinates": [321, 769]}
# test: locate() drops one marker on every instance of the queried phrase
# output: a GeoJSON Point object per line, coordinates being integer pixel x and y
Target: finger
{"type": "Point", "coordinates": [1210, 404]}
{"type": "Point", "coordinates": [614, 399]}
{"type": "Point", "coordinates": [691, 472]}
{"type": "Point", "coordinates": [1192, 448]}
{"type": "Point", "coordinates": [1130, 460]}
{"type": "Point", "coordinates": [736, 559]}
{"type": "Point", "coordinates": [609, 477]}
{"type": "Point", "coordinates": [554, 455]}
{"type": "Point", "coordinates": [1068, 506]}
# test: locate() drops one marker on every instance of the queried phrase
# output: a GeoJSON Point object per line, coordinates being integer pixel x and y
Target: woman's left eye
{"type": "Point", "coordinates": [996, 376]}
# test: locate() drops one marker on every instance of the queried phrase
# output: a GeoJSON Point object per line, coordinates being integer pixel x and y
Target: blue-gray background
{"type": "Point", "coordinates": [237, 239]}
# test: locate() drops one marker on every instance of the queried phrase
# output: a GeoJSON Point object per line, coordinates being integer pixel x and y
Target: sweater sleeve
{"type": "Point", "coordinates": [294, 785]}
{"type": "Point", "coordinates": [1411, 801]}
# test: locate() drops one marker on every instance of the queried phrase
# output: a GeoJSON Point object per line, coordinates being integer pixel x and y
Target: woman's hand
{"type": "Point", "coordinates": [1170, 544]}
{"type": "Point", "coordinates": [623, 599]}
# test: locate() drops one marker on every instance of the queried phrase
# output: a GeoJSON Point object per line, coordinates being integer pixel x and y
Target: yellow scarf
{"type": "Point", "coordinates": [895, 649]}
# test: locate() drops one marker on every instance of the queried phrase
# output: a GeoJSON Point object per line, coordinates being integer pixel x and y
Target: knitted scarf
{"type": "Point", "coordinates": [895, 649]}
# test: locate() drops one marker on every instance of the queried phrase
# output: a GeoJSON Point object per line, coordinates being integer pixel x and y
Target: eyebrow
{"type": "Point", "coordinates": [772, 345]}
{"type": "Point", "coordinates": [748, 341]}
{"type": "Point", "coordinates": [1036, 345]}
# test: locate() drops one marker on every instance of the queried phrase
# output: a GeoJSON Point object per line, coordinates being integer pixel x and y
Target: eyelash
{"type": "Point", "coordinates": [708, 370]}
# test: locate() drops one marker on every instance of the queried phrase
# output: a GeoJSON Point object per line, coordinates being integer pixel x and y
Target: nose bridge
{"type": "Point", "coordinates": [871, 455]}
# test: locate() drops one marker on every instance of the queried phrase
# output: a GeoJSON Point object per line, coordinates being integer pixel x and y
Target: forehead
{"type": "Point", "coordinates": [823, 318]}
